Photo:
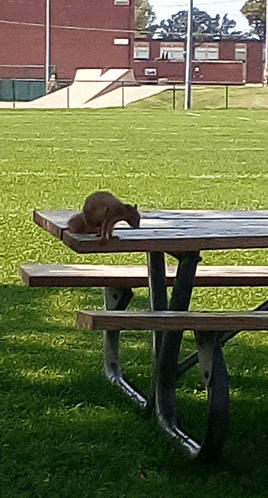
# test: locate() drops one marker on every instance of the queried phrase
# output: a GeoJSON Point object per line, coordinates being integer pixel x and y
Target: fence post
{"type": "Point", "coordinates": [123, 96]}
{"type": "Point", "coordinates": [226, 97]}
{"type": "Point", "coordinates": [68, 97]}
{"type": "Point", "coordinates": [174, 98]}
{"type": "Point", "coordinates": [14, 93]}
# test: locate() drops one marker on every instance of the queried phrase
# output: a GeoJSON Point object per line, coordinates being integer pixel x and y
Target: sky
{"type": "Point", "coordinates": [165, 8]}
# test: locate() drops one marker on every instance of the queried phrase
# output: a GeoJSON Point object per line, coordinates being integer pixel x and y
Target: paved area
{"type": "Point", "coordinates": [128, 95]}
{"type": "Point", "coordinates": [93, 89]}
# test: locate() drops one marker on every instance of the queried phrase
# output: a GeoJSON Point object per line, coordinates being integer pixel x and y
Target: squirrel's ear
{"type": "Point", "coordinates": [136, 205]}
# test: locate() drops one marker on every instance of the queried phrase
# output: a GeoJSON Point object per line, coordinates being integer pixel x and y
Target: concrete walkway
{"type": "Point", "coordinates": [93, 89]}
{"type": "Point", "coordinates": [128, 95]}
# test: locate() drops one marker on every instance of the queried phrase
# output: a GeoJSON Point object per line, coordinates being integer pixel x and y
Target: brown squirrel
{"type": "Point", "coordinates": [100, 213]}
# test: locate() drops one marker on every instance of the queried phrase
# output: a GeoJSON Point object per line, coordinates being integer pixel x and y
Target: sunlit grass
{"type": "Point", "coordinates": [209, 97]}
{"type": "Point", "coordinates": [65, 432]}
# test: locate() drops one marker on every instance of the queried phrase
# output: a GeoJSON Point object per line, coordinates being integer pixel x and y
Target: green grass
{"type": "Point", "coordinates": [64, 431]}
{"type": "Point", "coordinates": [209, 97]}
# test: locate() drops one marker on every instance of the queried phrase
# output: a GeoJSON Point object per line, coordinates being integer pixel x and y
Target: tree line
{"type": "Point", "coordinates": [204, 26]}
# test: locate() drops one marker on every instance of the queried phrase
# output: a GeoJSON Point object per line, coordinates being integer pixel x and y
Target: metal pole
{"type": "Point", "coordinates": [188, 69]}
{"type": "Point", "coordinates": [265, 72]}
{"type": "Point", "coordinates": [14, 93]}
{"type": "Point", "coordinates": [226, 97]}
{"type": "Point", "coordinates": [13, 90]}
{"type": "Point", "coordinates": [174, 99]}
{"type": "Point", "coordinates": [68, 97]}
{"type": "Point", "coordinates": [47, 42]}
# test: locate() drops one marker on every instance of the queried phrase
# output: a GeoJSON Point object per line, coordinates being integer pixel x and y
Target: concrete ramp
{"type": "Point", "coordinates": [94, 88]}
{"type": "Point", "coordinates": [87, 84]}
{"type": "Point", "coordinates": [127, 95]}
{"type": "Point", "coordinates": [127, 78]}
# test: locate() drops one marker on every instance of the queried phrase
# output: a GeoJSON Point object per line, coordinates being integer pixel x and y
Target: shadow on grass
{"type": "Point", "coordinates": [65, 431]}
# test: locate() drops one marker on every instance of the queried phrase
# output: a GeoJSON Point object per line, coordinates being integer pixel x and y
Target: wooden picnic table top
{"type": "Point", "coordinates": [167, 231]}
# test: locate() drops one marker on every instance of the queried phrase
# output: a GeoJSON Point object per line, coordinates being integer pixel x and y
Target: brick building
{"type": "Point", "coordinates": [100, 34]}
{"type": "Point", "coordinates": [224, 61]}
{"type": "Point", "coordinates": [83, 34]}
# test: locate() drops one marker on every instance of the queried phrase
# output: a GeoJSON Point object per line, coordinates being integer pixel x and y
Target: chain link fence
{"type": "Point", "coordinates": [166, 97]}
{"type": "Point", "coordinates": [210, 97]}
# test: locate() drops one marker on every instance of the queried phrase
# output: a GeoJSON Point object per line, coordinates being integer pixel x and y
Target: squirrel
{"type": "Point", "coordinates": [100, 213]}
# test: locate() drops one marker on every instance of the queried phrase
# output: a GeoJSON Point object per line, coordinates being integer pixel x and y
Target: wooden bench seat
{"type": "Point", "coordinates": [137, 276]}
{"type": "Point", "coordinates": [173, 321]}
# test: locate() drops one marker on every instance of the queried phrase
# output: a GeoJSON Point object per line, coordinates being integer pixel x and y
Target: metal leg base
{"type": "Point", "coordinates": [213, 373]}
{"type": "Point", "coordinates": [118, 299]}
{"type": "Point", "coordinates": [215, 376]}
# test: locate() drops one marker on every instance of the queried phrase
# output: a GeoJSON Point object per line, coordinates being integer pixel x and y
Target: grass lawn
{"type": "Point", "coordinates": [64, 431]}
{"type": "Point", "coordinates": [210, 97]}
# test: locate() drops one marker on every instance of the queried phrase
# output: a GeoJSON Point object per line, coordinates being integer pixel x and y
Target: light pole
{"type": "Point", "coordinates": [188, 69]}
{"type": "Point", "coordinates": [265, 72]}
{"type": "Point", "coordinates": [47, 75]}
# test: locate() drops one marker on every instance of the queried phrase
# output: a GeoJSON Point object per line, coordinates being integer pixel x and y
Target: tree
{"type": "Point", "coordinates": [144, 15]}
{"type": "Point", "coordinates": [254, 11]}
{"type": "Point", "coordinates": [204, 26]}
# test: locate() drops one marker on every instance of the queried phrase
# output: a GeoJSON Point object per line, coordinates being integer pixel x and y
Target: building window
{"type": "Point", "coordinates": [172, 51]}
{"type": "Point", "coordinates": [121, 2]}
{"type": "Point", "coordinates": [141, 50]}
{"type": "Point", "coordinates": [241, 52]}
{"type": "Point", "coordinates": [206, 52]}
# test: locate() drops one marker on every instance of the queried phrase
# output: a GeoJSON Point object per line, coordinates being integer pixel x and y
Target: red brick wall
{"type": "Point", "coordinates": [86, 50]}
{"type": "Point", "coordinates": [173, 71]}
{"type": "Point", "coordinates": [69, 48]}
{"type": "Point", "coordinates": [89, 13]}
{"type": "Point", "coordinates": [215, 72]}
{"type": "Point", "coordinates": [226, 50]}
{"type": "Point", "coordinates": [22, 45]}
{"type": "Point", "coordinates": [23, 11]}
{"type": "Point", "coordinates": [232, 72]}
{"type": "Point", "coordinates": [254, 62]}
{"type": "Point", "coordinates": [209, 72]}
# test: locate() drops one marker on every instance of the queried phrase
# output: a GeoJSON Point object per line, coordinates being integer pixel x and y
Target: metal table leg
{"type": "Point", "coordinates": [192, 359]}
{"type": "Point", "coordinates": [215, 379]}
{"type": "Point", "coordinates": [212, 369]}
{"type": "Point", "coordinates": [158, 301]}
{"type": "Point", "coordinates": [118, 299]}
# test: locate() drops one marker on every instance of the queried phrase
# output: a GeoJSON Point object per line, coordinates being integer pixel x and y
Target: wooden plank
{"type": "Point", "coordinates": [168, 231]}
{"type": "Point", "coordinates": [137, 276]}
{"type": "Point", "coordinates": [231, 276]}
{"type": "Point", "coordinates": [54, 222]}
{"type": "Point", "coordinates": [166, 241]}
{"type": "Point", "coordinates": [172, 321]}
{"type": "Point", "coordinates": [202, 214]}
{"type": "Point", "coordinates": [58, 220]}
{"type": "Point", "coordinates": [87, 275]}
{"type": "Point", "coordinates": [169, 219]}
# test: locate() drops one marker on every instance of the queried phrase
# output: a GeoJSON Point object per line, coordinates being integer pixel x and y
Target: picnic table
{"type": "Point", "coordinates": [182, 234]}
